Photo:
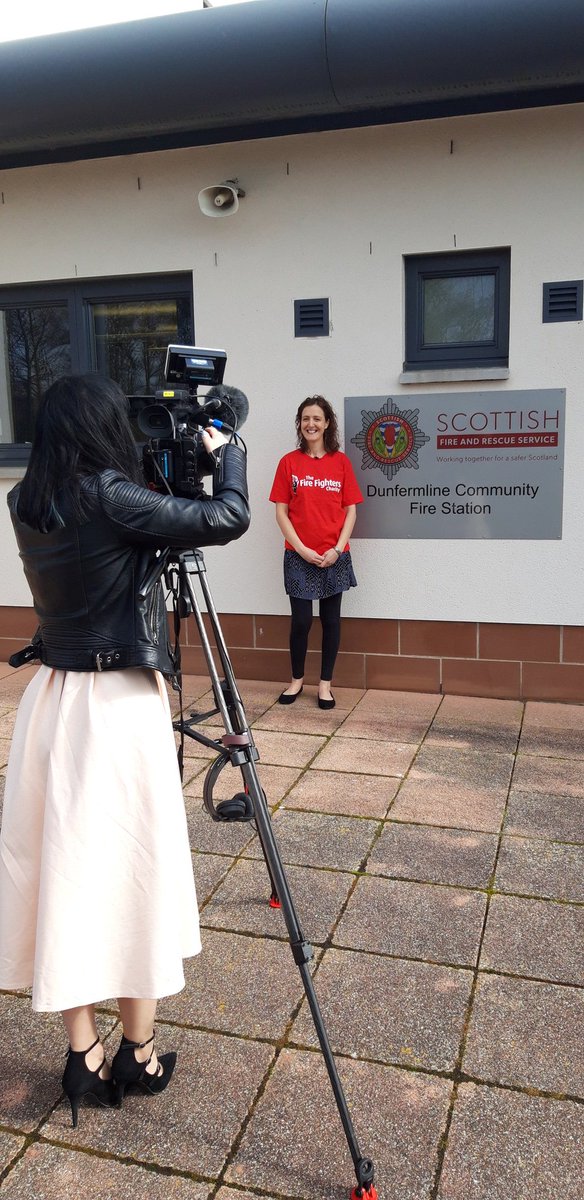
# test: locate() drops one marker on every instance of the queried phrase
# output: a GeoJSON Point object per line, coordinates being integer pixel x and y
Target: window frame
{"type": "Point", "coordinates": [456, 264]}
{"type": "Point", "coordinates": [79, 295]}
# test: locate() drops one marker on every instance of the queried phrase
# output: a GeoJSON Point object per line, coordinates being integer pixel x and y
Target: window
{"type": "Point", "coordinates": [457, 310]}
{"type": "Point", "coordinates": [119, 327]}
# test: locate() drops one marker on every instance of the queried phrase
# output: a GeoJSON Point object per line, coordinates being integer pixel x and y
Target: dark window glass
{"type": "Point", "coordinates": [457, 309]}
{"type": "Point", "coordinates": [36, 350]}
{"type": "Point", "coordinates": [130, 339]}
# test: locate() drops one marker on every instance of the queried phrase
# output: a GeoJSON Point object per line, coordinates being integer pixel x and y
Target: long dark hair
{"type": "Point", "coordinates": [331, 433]}
{"type": "Point", "coordinates": [82, 427]}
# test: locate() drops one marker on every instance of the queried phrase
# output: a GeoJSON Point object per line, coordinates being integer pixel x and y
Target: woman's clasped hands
{"type": "Point", "coordinates": [319, 560]}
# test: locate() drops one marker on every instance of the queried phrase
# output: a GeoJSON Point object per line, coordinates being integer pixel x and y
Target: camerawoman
{"type": "Point", "coordinates": [97, 895]}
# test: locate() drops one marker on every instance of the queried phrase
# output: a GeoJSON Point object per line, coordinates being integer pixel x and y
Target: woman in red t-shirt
{"type": "Point", "coordinates": [316, 497]}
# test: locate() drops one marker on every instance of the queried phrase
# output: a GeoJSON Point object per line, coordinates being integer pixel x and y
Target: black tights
{"type": "Point", "coordinates": [330, 617]}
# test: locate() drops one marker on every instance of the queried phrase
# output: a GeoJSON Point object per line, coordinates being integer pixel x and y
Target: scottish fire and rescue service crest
{"type": "Point", "coordinates": [390, 438]}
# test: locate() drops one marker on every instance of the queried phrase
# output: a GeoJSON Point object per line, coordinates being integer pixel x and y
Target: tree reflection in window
{"type": "Point", "coordinates": [37, 351]}
{"type": "Point", "coordinates": [130, 340]}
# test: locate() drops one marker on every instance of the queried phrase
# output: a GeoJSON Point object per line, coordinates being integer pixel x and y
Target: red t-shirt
{"type": "Point", "coordinates": [316, 490]}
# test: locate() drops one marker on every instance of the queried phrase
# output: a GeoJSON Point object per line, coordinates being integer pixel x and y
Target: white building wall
{"type": "Point", "coordinates": [332, 214]}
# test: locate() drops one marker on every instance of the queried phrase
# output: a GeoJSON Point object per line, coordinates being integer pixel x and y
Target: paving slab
{"type": "Point", "coordinates": [13, 685]}
{"type": "Point", "coordinates": [208, 870]}
{"type": "Point", "coordinates": [241, 903]}
{"type": "Point", "coordinates": [256, 699]}
{"type": "Point", "coordinates": [194, 686]}
{"type": "Point", "coordinates": [528, 1035]}
{"type": "Point", "coordinates": [413, 920]}
{"type": "Point", "coordinates": [546, 799]}
{"type": "Point", "coordinates": [7, 722]}
{"type": "Point", "coordinates": [472, 723]}
{"type": "Point", "coordinates": [51, 1172]}
{"type": "Point", "coordinates": [304, 716]}
{"type": "Point", "coordinates": [423, 852]}
{"type": "Point", "coordinates": [553, 730]}
{"type": "Point", "coordinates": [294, 1144]}
{"type": "Point", "coordinates": [506, 1146]}
{"type": "Point", "coordinates": [4, 751]}
{"type": "Point", "coordinates": [343, 793]}
{"type": "Point", "coordinates": [558, 817]}
{"type": "Point", "coordinates": [398, 1012]}
{"type": "Point", "coordinates": [537, 938]}
{"type": "Point", "coordinates": [33, 1060]}
{"type": "Point", "coordinates": [215, 837]}
{"type": "Point", "coordinates": [450, 787]}
{"type": "Point", "coordinates": [194, 754]}
{"type": "Point", "coordinates": [391, 716]}
{"type": "Point", "coordinates": [318, 840]}
{"type": "Point", "coordinates": [231, 1194]}
{"type": "Point", "coordinates": [548, 777]}
{"type": "Point", "coordinates": [287, 749]}
{"type": "Point", "coordinates": [242, 985]}
{"type": "Point", "coordinates": [540, 868]}
{"type": "Point", "coordinates": [275, 781]}
{"type": "Point", "coordinates": [192, 1125]}
{"type": "Point", "coordinates": [367, 756]}
{"type": "Point", "coordinates": [258, 692]}
{"type": "Point", "coordinates": [10, 1146]}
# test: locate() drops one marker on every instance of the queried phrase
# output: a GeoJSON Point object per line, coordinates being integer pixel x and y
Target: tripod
{"type": "Point", "coordinates": [236, 746]}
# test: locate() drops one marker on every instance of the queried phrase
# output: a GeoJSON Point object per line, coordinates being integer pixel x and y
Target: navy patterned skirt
{"type": "Point", "coordinates": [304, 581]}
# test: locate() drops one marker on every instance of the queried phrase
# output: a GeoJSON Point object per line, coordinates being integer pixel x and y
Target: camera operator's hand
{"type": "Point", "coordinates": [213, 439]}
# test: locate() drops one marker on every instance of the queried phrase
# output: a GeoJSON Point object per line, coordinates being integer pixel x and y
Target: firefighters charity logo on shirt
{"type": "Point", "coordinates": [390, 438]}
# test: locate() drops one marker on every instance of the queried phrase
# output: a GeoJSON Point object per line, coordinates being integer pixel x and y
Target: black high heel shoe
{"type": "Point", "coordinates": [128, 1072]}
{"type": "Point", "coordinates": [79, 1081]}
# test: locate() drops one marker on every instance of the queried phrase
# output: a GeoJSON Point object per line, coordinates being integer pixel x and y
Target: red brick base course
{"type": "Point", "coordinates": [466, 658]}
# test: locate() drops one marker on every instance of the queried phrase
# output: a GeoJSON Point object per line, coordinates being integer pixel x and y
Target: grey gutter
{"type": "Point", "coordinates": [282, 66]}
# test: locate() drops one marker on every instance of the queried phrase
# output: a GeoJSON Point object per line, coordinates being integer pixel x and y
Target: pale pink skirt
{"type": "Point", "coordinates": [97, 896]}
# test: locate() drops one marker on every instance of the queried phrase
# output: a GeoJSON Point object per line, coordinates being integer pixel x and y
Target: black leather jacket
{"type": "Point", "coordinates": [90, 579]}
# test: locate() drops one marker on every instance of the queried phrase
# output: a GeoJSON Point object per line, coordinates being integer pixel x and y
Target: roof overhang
{"type": "Point", "coordinates": [281, 67]}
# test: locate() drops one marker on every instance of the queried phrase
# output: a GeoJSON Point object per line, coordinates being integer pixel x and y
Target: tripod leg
{"type": "Point", "coordinates": [231, 706]}
{"type": "Point", "coordinates": [302, 953]}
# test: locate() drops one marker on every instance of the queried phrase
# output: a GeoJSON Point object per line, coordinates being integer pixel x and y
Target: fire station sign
{"type": "Point", "coordinates": [459, 465]}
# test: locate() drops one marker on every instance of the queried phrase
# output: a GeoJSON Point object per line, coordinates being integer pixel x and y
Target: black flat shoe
{"type": "Point", "coordinates": [326, 703]}
{"type": "Point", "coordinates": [284, 699]}
{"type": "Point", "coordinates": [128, 1072]}
{"type": "Point", "coordinates": [79, 1081]}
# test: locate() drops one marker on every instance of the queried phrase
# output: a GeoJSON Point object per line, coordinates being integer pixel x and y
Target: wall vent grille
{"type": "Point", "coordinates": [311, 318]}
{"type": "Point", "coordinates": [563, 301]}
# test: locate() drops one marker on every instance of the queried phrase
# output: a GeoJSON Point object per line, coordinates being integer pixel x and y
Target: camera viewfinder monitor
{"type": "Point", "coordinates": [192, 365]}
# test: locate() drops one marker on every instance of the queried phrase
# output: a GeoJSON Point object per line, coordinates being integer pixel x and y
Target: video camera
{"type": "Point", "coordinates": [174, 457]}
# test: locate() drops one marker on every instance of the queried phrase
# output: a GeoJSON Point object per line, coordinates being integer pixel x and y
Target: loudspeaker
{"type": "Point", "coordinates": [221, 199]}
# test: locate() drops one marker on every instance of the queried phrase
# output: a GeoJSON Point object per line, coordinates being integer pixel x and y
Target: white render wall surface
{"type": "Point", "coordinates": [332, 214]}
